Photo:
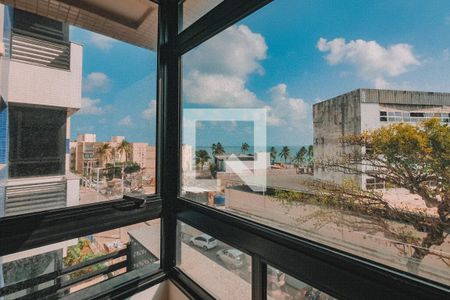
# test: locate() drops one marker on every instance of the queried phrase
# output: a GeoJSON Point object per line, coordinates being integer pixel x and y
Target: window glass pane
{"type": "Point", "coordinates": [323, 98]}
{"type": "Point", "coordinates": [78, 105]}
{"type": "Point", "coordinates": [66, 267]}
{"type": "Point", "coordinates": [281, 286]}
{"type": "Point", "coordinates": [222, 270]}
{"type": "Point", "coordinates": [192, 10]}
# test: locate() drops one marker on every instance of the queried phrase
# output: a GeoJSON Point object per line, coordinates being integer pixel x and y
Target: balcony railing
{"type": "Point", "coordinates": [61, 281]}
{"type": "Point", "coordinates": [40, 51]}
{"type": "Point", "coordinates": [65, 279]}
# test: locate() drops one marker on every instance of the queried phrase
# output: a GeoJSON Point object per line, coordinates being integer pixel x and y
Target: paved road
{"type": "Point", "coordinates": [286, 292]}
{"type": "Point", "coordinates": [244, 272]}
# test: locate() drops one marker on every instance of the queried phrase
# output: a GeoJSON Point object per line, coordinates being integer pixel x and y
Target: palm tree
{"type": "Point", "coordinates": [285, 153]}
{"type": "Point", "coordinates": [124, 148]}
{"type": "Point", "coordinates": [104, 152]}
{"type": "Point", "coordinates": [299, 158]}
{"type": "Point", "coordinates": [217, 149]}
{"type": "Point", "coordinates": [201, 157]}
{"type": "Point", "coordinates": [244, 147]}
{"type": "Point", "coordinates": [273, 155]}
{"type": "Point", "coordinates": [114, 154]}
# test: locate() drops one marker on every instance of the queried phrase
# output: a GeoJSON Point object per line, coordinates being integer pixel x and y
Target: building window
{"type": "Point", "coordinates": [417, 114]}
{"type": "Point", "coordinates": [37, 141]}
{"type": "Point", "coordinates": [374, 183]}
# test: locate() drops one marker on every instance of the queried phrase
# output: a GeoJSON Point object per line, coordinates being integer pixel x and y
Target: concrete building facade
{"type": "Point", "coordinates": [365, 110]}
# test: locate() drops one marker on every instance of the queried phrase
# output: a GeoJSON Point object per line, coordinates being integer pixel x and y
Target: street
{"type": "Point", "coordinates": [244, 272]}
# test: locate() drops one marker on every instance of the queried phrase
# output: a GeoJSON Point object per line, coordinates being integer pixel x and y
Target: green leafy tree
{"type": "Point", "coordinates": [201, 157]}
{"type": "Point", "coordinates": [79, 253]}
{"type": "Point", "coordinates": [416, 158]}
{"type": "Point", "coordinates": [285, 153]}
{"type": "Point", "coordinates": [244, 147]}
{"type": "Point", "coordinates": [132, 168]}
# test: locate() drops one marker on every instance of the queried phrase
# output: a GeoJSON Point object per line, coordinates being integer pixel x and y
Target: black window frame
{"type": "Point", "coordinates": [332, 271]}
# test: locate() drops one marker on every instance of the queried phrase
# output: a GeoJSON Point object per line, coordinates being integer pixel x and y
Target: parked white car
{"type": "Point", "coordinates": [203, 241]}
{"type": "Point", "coordinates": [232, 258]}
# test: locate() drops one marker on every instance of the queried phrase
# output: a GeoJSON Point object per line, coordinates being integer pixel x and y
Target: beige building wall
{"type": "Point", "coordinates": [333, 119]}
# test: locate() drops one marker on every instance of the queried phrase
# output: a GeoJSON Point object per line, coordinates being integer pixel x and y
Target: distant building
{"type": "Point", "coordinates": [368, 109]}
{"type": "Point", "coordinates": [145, 156]}
{"type": "Point", "coordinates": [84, 158]}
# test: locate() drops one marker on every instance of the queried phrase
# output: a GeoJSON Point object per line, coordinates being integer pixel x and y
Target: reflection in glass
{"type": "Point", "coordinates": [281, 286]}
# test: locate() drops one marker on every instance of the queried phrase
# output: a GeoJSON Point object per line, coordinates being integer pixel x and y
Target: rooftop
{"type": "Point", "coordinates": [384, 96]}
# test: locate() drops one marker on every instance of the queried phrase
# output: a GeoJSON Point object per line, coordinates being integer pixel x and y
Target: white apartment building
{"type": "Point", "coordinates": [41, 73]}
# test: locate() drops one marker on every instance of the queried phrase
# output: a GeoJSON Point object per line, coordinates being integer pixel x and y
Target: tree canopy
{"type": "Point", "coordinates": [412, 157]}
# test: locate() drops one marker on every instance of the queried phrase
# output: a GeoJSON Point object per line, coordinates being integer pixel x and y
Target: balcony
{"type": "Point", "coordinates": [37, 194]}
{"type": "Point", "coordinates": [38, 51]}
{"type": "Point", "coordinates": [65, 279]}
{"type": "Point", "coordinates": [36, 63]}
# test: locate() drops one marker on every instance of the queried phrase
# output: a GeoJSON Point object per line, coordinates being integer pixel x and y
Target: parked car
{"type": "Point", "coordinates": [275, 278]}
{"type": "Point", "coordinates": [232, 258]}
{"type": "Point", "coordinates": [203, 241]}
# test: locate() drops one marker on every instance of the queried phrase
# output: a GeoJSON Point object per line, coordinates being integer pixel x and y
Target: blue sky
{"type": "Point", "coordinates": [285, 57]}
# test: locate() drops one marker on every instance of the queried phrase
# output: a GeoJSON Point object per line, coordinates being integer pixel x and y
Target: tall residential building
{"type": "Point", "coordinates": [41, 89]}
{"type": "Point", "coordinates": [41, 73]}
{"type": "Point", "coordinates": [364, 110]}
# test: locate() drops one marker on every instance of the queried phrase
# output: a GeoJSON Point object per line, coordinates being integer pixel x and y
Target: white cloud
{"type": "Point", "coordinates": [287, 111]}
{"type": "Point", "coordinates": [237, 51]}
{"type": "Point", "coordinates": [150, 112]}
{"type": "Point", "coordinates": [372, 61]}
{"type": "Point", "coordinates": [102, 42]}
{"type": "Point", "coordinates": [218, 90]}
{"type": "Point", "coordinates": [126, 121]}
{"type": "Point", "coordinates": [90, 106]}
{"type": "Point", "coordinates": [381, 83]}
{"type": "Point", "coordinates": [96, 81]}
{"type": "Point", "coordinates": [218, 70]}
{"type": "Point", "coordinates": [217, 74]}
